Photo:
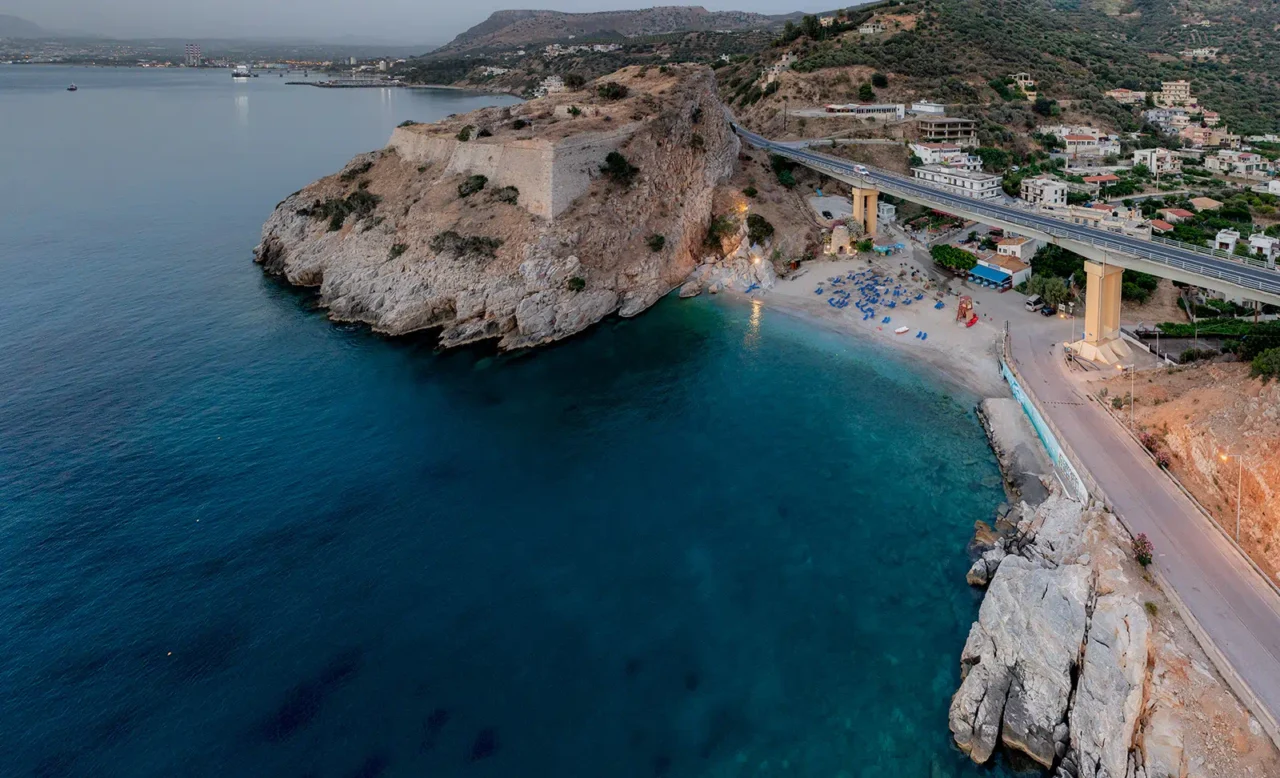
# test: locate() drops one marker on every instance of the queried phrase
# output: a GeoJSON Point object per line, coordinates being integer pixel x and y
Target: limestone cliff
{"type": "Point", "coordinates": [502, 224]}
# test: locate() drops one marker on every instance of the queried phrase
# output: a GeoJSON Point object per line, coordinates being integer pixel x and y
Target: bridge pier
{"type": "Point", "coordinates": [1102, 341]}
{"type": "Point", "coordinates": [865, 202]}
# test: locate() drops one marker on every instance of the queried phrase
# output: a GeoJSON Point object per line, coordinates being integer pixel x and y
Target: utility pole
{"type": "Point", "coordinates": [1239, 491]}
{"type": "Point", "coordinates": [1132, 374]}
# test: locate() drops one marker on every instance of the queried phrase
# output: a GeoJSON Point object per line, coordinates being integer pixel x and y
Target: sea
{"type": "Point", "coordinates": [237, 539]}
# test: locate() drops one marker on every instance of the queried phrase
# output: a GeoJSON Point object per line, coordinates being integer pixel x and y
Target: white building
{"type": "Point", "coordinates": [936, 109]}
{"type": "Point", "coordinates": [886, 213]}
{"type": "Point", "coordinates": [1245, 164]}
{"type": "Point", "coordinates": [871, 28]}
{"type": "Point", "coordinates": [980, 186]}
{"type": "Point", "coordinates": [1026, 83]}
{"type": "Point", "coordinates": [887, 111]}
{"type": "Point", "coordinates": [1226, 240]}
{"type": "Point", "coordinates": [1175, 93]}
{"type": "Point", "coordinates": [1267, 248]}
{"type": "Point", "coordinates": [947, 154]}
{"type": "Point", "coordinates": [1015, 269]}
{"type": "Point", "coordinates": [1044, 190]}
{"type": "Point", "coordinates": [489, 70]}
{"type": "Point", "coordinates": [1158, 161]}
{"type": "Point", "coordinates": [827, 21]}
{"type": "Point", "coordinates": [550, 85]}
{"type": "Point", "coordinates": [1021, 248]}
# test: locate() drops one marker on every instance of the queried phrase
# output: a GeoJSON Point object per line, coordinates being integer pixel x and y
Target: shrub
{"type": "Point", "coordinates": [618, 170]}
{"type": "Point", "coordinates": [408, 123]}
{"type": "Point", "coordinates": [866, 94]}
{"type": "Point", "coordinates": [472, 185]}
{"type": "Point", "coordinates": [1196, 354]}
{"type": "Point", "coordinates": [864, 246]}
{"type": "Point", "coordinates": [397, 250]}
{"type": "Point", "coordinates": [450, 242]}
{"type": "Point", "coordinates": [697, 142]}
{"type": "Point", "coordinates": [612, 90]}
{"type": "Point", "coordinates": [351, 174]}
{"type": "Point", "coordinates": [1142, 549]}
{"type": "Point", "coordinates": [879, 80]}
{"type": "Point", "coordinates": [464, 134]}
{"type": "Point", "coordinates": [750, 191]}
{"type": "Point", "coordinates": [656, 242]}
{"type": "Point", "coordinates": [719, 228]}
{"type": "Point", "coordinates": [1152, 609]}
{"type": "Point", "coordinates": [336, 209]}
{"type": "Point", "coordinates": [787, 179]}
{"type": "Point", "coordinates": [484, 133]}
{"type": "Point", "coordinates": [507, 194]}
{"type": "Point", "coordinates": [576, 284]}
{"type": "Point", "coordinates": [1266, 365]}
{"type": "Point", "coordinates": [1131, 291]}
{"type": "Point", "coordinates": [758, 229]}
{"type": "Point", "coordinates": [574, 81]}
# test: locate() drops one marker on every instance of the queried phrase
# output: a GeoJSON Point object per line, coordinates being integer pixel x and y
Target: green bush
{"type": "Point", "coordinates": [618, 170]}
{"type": "Point", "coordinates": [464, 134]}
{"type": "Point", "coordinates": [1196, 354]}
{"type": "Point", "coordinates": [879, 80]}
{"type": "Point", "coordinates": [574, 81]}
{"type": "Point", "coordinates": [472, 185]}
{"type": "Point", "coordinates": [507, 194]}
{"type": "Point", "coordinates": [576, 284]}
{"type": "Point", "coordinates": [450, 242]}
{"type": "Point", "coordinates": [611, 90]}
{"type": "Point", "coordinates": [1266, 365]}
{"type": "Point", "coordinates": [866, 93]}
{"type": "Point", "coordinates": [656, 242]}
{"type": "Point", "coordinates": [750, 191]}
{"type": "Point", "coordinates": [719, 228]}
{"type": "Point", "coordinates": [787, 179]}
{"type": "Point", "coordinates": [336, 209]}
{"type": "Point", "coordinates": [864, 246]}
{"type": "Point", "coordinates": [519, 124]}
{"type": "Point", "coordinates": [1133, 292]}
{"type": "Point", "coordinates": [397, 250]}
{"type": "Point", "coordinates": [407, 123]}
{"type": "Point", "coordinates": [353, 173]}
{"type": "Point", "coordinates": [484, 133]}
{"type": "Point", "coordinates": [758, 229]}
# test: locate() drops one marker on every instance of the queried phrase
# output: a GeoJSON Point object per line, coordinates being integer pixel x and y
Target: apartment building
{"type": "Point", "coordinates": [1044, 190]}
{"type": "Point", "coordinates": [980, 186]}
{"type": "Point", "coordinates": [1127, 96]}
{"type": "Point", "coordinates": [962, 132]}
{"type": "Point", "coordinates": [1175, 93]}
{"type": "Point", "coordinates": [947, 154]}
{"type": "Point", "coordinates": [1158, 161]}
{"type": "Point", "coordinates": [1244, 164]}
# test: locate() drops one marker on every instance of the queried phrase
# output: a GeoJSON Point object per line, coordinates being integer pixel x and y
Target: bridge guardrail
{"type": "Point", "coordinates": [1066, 231]}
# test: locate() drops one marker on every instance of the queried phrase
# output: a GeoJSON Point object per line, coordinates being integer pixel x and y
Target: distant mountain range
{"type": "Point", "coordinates": [507, 29]}
{"type": "Point", "coordinates": [15, 27]}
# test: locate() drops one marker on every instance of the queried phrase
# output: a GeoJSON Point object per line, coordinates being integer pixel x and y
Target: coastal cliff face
{"type": "Point", "coordinates": [546, 244]}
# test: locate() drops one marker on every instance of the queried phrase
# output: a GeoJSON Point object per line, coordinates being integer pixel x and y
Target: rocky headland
{"type": "Point", "coordinates": [522, 225]}
{"type": "Point", "coordinates": [1078, 662]}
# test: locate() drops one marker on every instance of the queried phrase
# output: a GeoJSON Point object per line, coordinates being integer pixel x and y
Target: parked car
{"type": "Point", "coordinates": [1048, 310]}
{"type": "Point", "coordinates": [1034, 303]}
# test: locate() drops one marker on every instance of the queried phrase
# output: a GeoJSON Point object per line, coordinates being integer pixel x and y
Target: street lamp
{"type": "Point", "coordinates": [1132, 369]}
{"type": "Point", "coordinates": [1239, 486]}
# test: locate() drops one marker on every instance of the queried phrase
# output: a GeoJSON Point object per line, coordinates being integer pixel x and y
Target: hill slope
{"type": "Point", "coordinates": [16, 27]}
{"type": "Point", "coordinates": [508, 29]}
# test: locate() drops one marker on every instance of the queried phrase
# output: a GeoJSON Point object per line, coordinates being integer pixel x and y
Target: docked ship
{"type": "Point", "coordinates": [72, 88]}
{"type": "Point", "coordinates": [240, 71]}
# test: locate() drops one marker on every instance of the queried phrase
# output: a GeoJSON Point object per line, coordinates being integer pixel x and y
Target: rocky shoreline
{"type": "Point", "coordinates": [1077, 661]}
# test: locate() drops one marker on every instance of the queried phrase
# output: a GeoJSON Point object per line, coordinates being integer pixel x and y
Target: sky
{"type": "Point", "coordinates": [416, 22]}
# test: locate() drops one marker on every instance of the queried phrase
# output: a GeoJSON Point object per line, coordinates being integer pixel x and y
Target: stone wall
{"type": "Point", "coordinates": [549, 176]}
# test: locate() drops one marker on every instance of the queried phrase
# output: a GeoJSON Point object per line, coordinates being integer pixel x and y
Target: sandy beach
{"type": "Point", "coordinates": [966, 355]}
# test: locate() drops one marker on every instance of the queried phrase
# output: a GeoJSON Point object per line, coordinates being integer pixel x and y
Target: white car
{"type": "Point", "coordinates": [861, 170]}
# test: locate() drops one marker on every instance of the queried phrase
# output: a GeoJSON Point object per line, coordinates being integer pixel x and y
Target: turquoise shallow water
{"type": "Point", "coordinates": [236, 539]}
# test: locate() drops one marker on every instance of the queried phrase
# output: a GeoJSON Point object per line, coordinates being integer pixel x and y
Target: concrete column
{"type": "Point", "coordinates": [1102, 341]}
{"type": "Point", "coordinates": [865, 203]}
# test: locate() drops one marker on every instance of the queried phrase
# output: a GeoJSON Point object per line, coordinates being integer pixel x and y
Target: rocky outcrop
{"type": "Point", "coordinates": [408, 238]}
{"type": "Point", "coordinates": [743, 269]}
{"type": "Point", "coordinates": [1056, 665]}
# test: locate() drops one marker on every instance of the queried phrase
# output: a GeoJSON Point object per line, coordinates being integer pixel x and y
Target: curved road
{"type": "Point", "coordinates": [1206, 266]}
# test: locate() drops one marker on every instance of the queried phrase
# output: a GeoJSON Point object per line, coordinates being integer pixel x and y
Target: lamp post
{"type": "Point", "coordinates": [1239, 486]}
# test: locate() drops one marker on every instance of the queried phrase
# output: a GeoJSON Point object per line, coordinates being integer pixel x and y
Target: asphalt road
{"type": "Point", "coordinates": [1237, 608]}
{"type": "Point", "coordinates": [1209, 266]}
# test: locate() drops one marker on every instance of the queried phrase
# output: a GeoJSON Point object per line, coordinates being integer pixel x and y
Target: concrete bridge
{"type": "Point", "coordinates": [1109, 254]}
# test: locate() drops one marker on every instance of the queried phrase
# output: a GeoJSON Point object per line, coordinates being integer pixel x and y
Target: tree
{"type": "Point", "coordinates": [1266, 365]}
{"type": "Point", "coordinates": [612, 90]}
{"type": "Point", "coordinates": [993, 159]}
{"type": "Point", "coordinates": [1053, 289]}
{"type": "Point", "coordinates": [812, 27]}
{"type": "Point", "coordinates": [1044, 106]}
{"type": "Point", "coordinates": [953, 258]}
{"type": "Point", "coordinates": [656, 242]}
{"type": "Point", "coordinates": [574, 81]}
{"type": "Point", "coordinates": [879, 80]}
{"type": "Point", "coordinates": [758, 229]}
{"type": "Point", "coordinates": [1053, 260]}
{"type": "Point", "coordinates": [866, 94]}
{"type": "Point", "coordinates": [915, 161]}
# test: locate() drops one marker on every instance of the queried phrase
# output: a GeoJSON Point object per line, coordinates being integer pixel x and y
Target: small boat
{"type": "Point", "coordinates": [902, 330]}
{"type": "Point", "coordinates": [240, 71]}
{"type": "Point", "coordinates": [72, 88]}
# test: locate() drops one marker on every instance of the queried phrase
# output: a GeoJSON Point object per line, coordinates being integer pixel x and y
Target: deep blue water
{"type": "Point", "coordinates": [238, 540]}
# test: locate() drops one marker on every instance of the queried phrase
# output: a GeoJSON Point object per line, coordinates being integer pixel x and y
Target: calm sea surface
{"type": "Point", "coordinates": [238, 540]}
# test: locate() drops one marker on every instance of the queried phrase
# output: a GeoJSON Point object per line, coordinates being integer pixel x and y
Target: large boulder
{"type": "Point", "coordinates": [1108, 700]}
{"type": "Point", "coordinates": [1019, 661]}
